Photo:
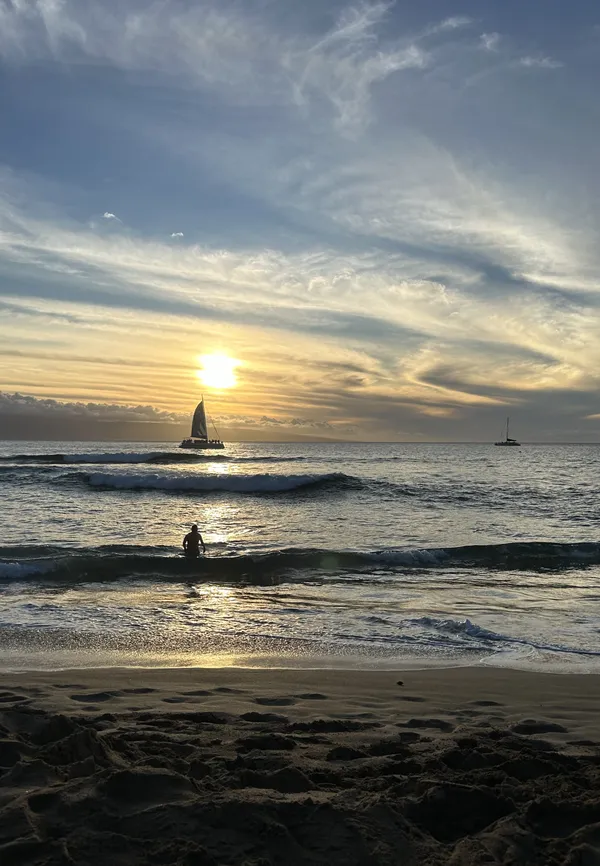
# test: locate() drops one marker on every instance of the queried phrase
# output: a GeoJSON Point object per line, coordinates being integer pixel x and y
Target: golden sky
{"type": "Point", "coordinates": [375, 211]}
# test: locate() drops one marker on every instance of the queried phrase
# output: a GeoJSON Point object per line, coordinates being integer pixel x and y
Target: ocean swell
{"type": "Point", "coordinates": [114, 562]}
{"type": "Point", "coordinates": [184, 480]}
{"type": "Point", "coordinates": [212, 483]}
{"type": "Point", "coordinates": [266, 483]}
{"type": "Point", "coordinates": [141, 457]}
{"type": "Point", "coordinates": [179, 456]}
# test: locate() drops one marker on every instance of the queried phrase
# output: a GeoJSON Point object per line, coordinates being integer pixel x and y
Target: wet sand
{"type": "Point", "coordinates": [256, 767]}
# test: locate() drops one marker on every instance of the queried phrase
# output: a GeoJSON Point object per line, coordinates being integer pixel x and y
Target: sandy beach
{"type": "Point", "coordinates": [232, 766]}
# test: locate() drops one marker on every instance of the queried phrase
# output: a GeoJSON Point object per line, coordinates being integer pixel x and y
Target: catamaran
{"type": "Point", "coordinates": [508, 441]}
{"type": "Point", "coordinates": [199, 437]}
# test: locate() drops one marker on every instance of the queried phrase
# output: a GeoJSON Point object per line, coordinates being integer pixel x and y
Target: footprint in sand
{"type": "Point", "coordinates": [313, 696]}
{"type": "Point", "coordinates": [436, 724]}
{"type": "Point", "coordinates": [275, 702]}
{"type": "Point", "coordinates": [264, 717]}
{"type": "Point", "coordinates": [486, 704]}
{"type": "Point", "coordinates": [537, 726]}
{"type": "Point", "coordinates": [142, 691]}
{"type": "Point", "coordinates": [10, 697]}
{"type": "Point", "coordinates": [223, 690]}
{"type": "Point", "coordinates": [265, 742]}
{"type": "Point", "coordinates": [199, 693]}
{"type": "Point", "coordinates": [413, 699]}
{"type": "Point", "coordinates": [96, 696]}
{"type": "Point", "coordinates": [186, 697]}
{"type": "Point", "coordinates": [78, 686]}
{"type": "Point", "coordinates": [356, 715]}
{"type": "Point", "coordinates": [332, 726]}
{"type": "Point", "coordinates": [130, 788]}
{"type": "Point", "coordinates": [345, 753]}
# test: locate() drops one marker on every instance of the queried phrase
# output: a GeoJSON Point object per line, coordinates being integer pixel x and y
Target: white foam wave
{"type": "Point", "coordinates": [208, 483]}
{"type": "Point", "coordinates": [488, 638]}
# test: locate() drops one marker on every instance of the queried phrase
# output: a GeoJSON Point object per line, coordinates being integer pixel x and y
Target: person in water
{"type": "Point", "coordinates": [192, 542]}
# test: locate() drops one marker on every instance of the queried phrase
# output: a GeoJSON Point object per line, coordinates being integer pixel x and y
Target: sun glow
{"type": "Point", "coordinates": [217, 371]}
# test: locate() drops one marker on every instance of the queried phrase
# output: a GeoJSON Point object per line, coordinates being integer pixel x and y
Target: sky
{"type": "Point", "coordinates": [385, 214]}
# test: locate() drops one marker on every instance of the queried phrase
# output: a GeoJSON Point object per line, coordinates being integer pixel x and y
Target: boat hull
{"type": "Point", "coordinates": [202, 444]}
{"type": "Point", "coordinates": [508, 444]}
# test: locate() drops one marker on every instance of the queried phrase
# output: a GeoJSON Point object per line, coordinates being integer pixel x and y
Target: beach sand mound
{"type": "Point", "coordinates": [210, 789]}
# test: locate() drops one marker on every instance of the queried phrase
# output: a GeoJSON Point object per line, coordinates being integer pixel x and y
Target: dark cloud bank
{"type": "Point", "coordinates": [23, 417]}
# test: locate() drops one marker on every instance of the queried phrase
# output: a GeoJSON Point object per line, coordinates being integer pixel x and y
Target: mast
{"type": "Point", "coordinates": [507, 421]}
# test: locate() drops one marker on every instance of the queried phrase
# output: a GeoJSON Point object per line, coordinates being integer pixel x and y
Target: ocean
{"type": "Point", "coordinates": [319, 555]}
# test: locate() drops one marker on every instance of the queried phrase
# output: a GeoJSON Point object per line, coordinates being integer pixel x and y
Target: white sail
{"type": "Point", "coordinates": [199, 437]}
{"type": "Point", "coordinates": [199, 429]}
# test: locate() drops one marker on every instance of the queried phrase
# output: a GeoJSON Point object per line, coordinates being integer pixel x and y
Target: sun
{"type": "Point", "coordinates": [217, 371]}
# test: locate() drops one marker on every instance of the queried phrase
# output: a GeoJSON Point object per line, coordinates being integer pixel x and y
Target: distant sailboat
{"type": "Point", "coordinates": [508, 441]}
{"type": "Point", "coordinates": [199, 437]}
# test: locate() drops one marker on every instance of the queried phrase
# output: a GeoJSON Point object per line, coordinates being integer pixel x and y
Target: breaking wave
{"type": "Point", "coordinates": [127, 561]}
{"type": "Point", "coordinates": [329, 483]}
{"type": "Point", "coordinates": [211, 483]}
{"type": "Point", "coordinates": [244, 476]}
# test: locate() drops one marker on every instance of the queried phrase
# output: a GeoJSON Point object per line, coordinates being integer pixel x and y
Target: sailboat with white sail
{"type": "Point", "coordinates": [199, 436]}
{"type": "Point", "coordinates": [507, 441]}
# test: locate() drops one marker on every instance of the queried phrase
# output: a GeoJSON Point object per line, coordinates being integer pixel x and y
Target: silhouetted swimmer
{"type": "Point", "coordinates": [192, 542]}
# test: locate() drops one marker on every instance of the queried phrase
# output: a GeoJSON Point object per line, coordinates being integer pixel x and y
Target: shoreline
{"type": "Point", "coordinates": [444, 690]}
{"type": "Point", "coordinates": [58, 661]}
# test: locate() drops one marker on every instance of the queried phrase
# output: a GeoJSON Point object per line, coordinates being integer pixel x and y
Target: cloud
{"type": "Point", "coordinates": [480, 253]}
{"type": "Point", "coordinates": [218, 47]}
{"type": "Point", "coordinates": [540, 62]}
{"type": "Point", "coordinates": [33, 407]}
{"type": "Point", "coordinates": [489, 41]}
{"type": "Point", "coordinates": [455, 22]}
{"type": "Point", "coordinates": [286, 422]}
{"type": "Point", "coordinates": [110, 216]}
{"type": "Point", "coordinates": [14, 310]}
{"type": "Point", "coordinates": [344, 65]}
{"type": "Point", "coordinates": [177, 234]}
{"type": "Point", "coordinates": [22, 409]}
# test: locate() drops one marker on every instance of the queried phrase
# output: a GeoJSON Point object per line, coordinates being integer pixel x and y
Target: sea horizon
{"type": "Point", "coordinates": [307, 441]}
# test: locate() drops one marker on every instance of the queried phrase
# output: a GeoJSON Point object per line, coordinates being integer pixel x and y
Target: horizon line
{"type": "Point", "coordinates": [323, 441]}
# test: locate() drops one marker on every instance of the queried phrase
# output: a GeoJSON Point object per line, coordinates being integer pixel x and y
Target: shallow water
{"type": "Point", "coordinates": [319, 554]}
